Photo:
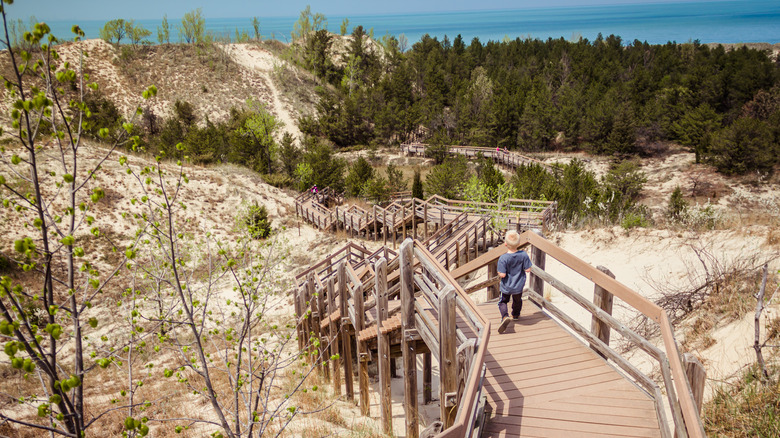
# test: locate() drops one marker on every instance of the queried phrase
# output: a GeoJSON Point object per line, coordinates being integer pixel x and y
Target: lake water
{"type": "Point", "coordinates": [717, 21]}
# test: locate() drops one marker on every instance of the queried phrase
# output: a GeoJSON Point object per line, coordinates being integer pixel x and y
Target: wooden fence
{"type": "Point", "coordinates": [351, 307]}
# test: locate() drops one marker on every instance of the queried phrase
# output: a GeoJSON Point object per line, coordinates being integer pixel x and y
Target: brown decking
{"type": "Point", "coordinates": [542, 382]}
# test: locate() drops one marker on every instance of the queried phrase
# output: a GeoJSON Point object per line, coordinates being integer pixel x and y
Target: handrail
{"type": "Point", "coordinates": [644, 306]}
{"type": "Point", "coordinates": [511, 157]}
{"type": "Point", "coordinates": [473, 381]}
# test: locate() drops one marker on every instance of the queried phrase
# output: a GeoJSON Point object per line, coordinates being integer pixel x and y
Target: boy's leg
{"type": "Point", "coordinates": [503, 300]}
{"type": "Point", "coordinates": [517, 305]}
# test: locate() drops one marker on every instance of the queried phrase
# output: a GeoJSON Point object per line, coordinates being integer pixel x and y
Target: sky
{"type": "Point", "coordinates": [51, 10]}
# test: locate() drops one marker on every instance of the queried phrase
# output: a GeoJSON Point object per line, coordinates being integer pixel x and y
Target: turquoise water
{"type": "Point", "coordinates": [723, 22]}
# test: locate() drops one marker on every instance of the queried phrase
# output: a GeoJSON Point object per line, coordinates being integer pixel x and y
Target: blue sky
{"type": "Point", "coordinates": [49, 10]}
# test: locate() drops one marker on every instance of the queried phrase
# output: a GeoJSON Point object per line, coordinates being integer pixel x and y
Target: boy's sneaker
{"type": "Point", "coordinates": [504, 324]}
{"type": "Point", "coordinates": [515, 318]}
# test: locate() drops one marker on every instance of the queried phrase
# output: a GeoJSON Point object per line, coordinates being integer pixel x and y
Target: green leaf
{"type": "Point", "coordinates": [67, 240]}
{"type": "Point", "coordinates": [15, 159]}
{"type": "Point", "coordinates": [93, 322]}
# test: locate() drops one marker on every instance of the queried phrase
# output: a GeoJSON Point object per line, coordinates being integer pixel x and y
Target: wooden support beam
{"type": "Point", "coordinates": [603, 300]}
{"type": "Point", "coordinates": [414, 219]}
{"type": "Point", "coordinates": [298, 318]}
{"type": "Point", "coordinates": [317, 310]}
{"type": "Point", "coordinates": [448, 367]}
{"type": "Point", "coordinates": [383, 347]}
{"type": "Point", "coordinates": [346, 342]}
{"type": "Point", "coordinates": [538, 257]}
{"type": "Point", "coordinates": [493, 290]}
{"type": "Point", "coordinates": [403, 219]}
{"type": "Point", "coordinates": [425, 220]}
{"type": "Point", "coordinates": [362, 351]}
{"type": "Point", "coordinates": [334, 340]}
{"type": "Point", "coordinates": [427, 376]}
{"type": "Point", "coordinates": [697, 377]}
{"type": "Point", "coordinates": [409, 350]}
{"type": "Point", "coordinates": [395, 231]}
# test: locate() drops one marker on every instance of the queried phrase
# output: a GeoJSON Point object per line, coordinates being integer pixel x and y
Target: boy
{"type": "Point", "coordinates": [512, 268]}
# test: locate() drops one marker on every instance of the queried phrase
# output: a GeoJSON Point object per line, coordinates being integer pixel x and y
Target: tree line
{"type": "Point", "coordinates": [602, 96]}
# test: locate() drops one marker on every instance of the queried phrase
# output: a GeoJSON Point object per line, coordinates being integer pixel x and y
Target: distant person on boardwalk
{"type": "Point", "coordinates": [512, 268]}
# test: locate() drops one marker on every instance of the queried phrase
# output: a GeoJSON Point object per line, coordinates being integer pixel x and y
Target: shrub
{"type": "Point", "coordinates": [747, 145]}
{"type": "Point", "coordinates": [449, 178]}
{"type": "Point", "coordinates": [677, 209]}
{"type": "Point", "coordinates": [417, 186]}
{"type": "Point", "coordinates": [633, 220]}
{"type": "Point", "coordinates": [255, 220]}
{"type": "Point", "coordinates": [359, 174]}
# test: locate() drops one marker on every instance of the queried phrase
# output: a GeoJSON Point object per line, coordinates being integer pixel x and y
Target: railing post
{"type": "Point", "coordinates": [384, 225]}
{"type": "Point", "coordinates": [448, 386]}
{"type": "Point", "coordinates": [538, 258]}
{"type": "Point", "coordinates": [376, 234]}
{"type": "Point", "coordinates": [427, 378]}
{"type": "Point", "coordinates": [299, 318]}
{"type": "Point", "coordinates": [362, 351]}
{"type": "Point", "coordinates": [345, 336]}
{"type": "Point", "coordinates": [403, 219]}
{"type": "Point", "coordinates": [602, 298]}
{"type": "Point", "coordinates": [425, 221]}
{"type": "Point", "coordinates": [697, 376]}
{"type": "Point", "coordinates": [383, 347]}
{"type": "Point", "coordinates": [318, 308]}
{"type": "Point", "coordinates": [334, 340]}
{"type": "Point", "coordinates": [395, 231]}
{"type": "Point", "coordinates": [408, 348]}
{"type": "Point", "coordinates": [492, 292]}
{"type": "Point", "coordinates": [414, 217]}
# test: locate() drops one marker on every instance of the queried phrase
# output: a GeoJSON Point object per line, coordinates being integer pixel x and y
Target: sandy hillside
{"type": "Point", "coordinates": [212, 78]}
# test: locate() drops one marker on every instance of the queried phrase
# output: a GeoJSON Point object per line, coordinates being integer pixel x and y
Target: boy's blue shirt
{"type": "Point", "coordinates": [514, 265]}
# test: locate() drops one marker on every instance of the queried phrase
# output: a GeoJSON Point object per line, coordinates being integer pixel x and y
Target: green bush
{"type": "Point", "coordinates": [417, 186]}
{"type": "Point", "coordinates": [677, 209]}
{"type": "Point", "coordinates": [633, 220]}
{"type": "Point", "coordinates": [279, 180]}
{"type": "Point", "coordinates": [359, 174]}
{"type": "Point", "coordinates": [748, 145]}
{"type": "Point", "coordinates": [255, 219]}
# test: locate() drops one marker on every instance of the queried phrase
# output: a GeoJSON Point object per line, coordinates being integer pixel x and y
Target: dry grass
{"type": "Point", "coordinates": [746, 408]}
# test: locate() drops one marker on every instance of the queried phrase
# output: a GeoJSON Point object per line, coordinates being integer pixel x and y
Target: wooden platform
{"type": "Point", "coordinates": [542, 382]}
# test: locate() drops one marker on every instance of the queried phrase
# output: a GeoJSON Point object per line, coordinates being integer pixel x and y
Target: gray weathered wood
{"type": "Point", "coordinates": [493, 290]}
{"type": "Point", "coordinates": [427, 378]}
{"type": "Point", "coordinates": [362, 351]}
{"type": "Point", "coordinates": [408, 348]}
{"type": "Point", "coordinates": [448, 354]}
{"type": "Point", "coordinates": [538, 257]}
{"type": "Point", "coordinates": [602, 299]}
{"type": "Point", "coordinates": [334, 340]}
{"type": "Point", "coordinates": [346, 342]}
{"type": "Point", "coordinates": [383, 347]}
{"type": "Point", "coordinates": [697, 377]}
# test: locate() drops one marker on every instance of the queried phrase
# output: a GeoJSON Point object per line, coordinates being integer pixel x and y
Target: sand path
{"type": "Point", "coordinates": [262, 61]}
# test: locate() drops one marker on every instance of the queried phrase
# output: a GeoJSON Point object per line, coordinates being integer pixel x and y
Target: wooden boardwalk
{"type": "Point", "coordinates": [542, 382]}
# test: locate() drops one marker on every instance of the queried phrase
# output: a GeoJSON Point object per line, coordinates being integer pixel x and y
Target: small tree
{"type": "Point", "coordinates": [359, 174]}
{"type": "Point", "coordinates": [48, 327]}
{"type": "Point", "coordinates": [417, 186]}
{"type": "Point", "coordinates": [136, 33]}
{"type": "Point", "coordinates": [113, 30]}
{"type": "Point", "coordinates": [163, 32]}
{"type": "Point", "coordinates": [256, 27]}
{"type": "Point", "coordinates": [677, 209]}
{"type": "Point", "coordinates": [449, 178]}
{"type": "Point", "coordinates": [193, 27]}
{"type": "Point", "coordinates": [344, 26]}
{"type": "Point", "coordinates": [395, 178]}
{"type": "Point", "coordinates": [258, 126]}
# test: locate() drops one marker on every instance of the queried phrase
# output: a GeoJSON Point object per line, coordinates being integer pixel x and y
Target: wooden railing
{"type": "Point", "coordinates": [441, 300]}
{"type": "Point", "coordinates": [683, 407]}
{"type": "Point", "coordinates": [507, 158]}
